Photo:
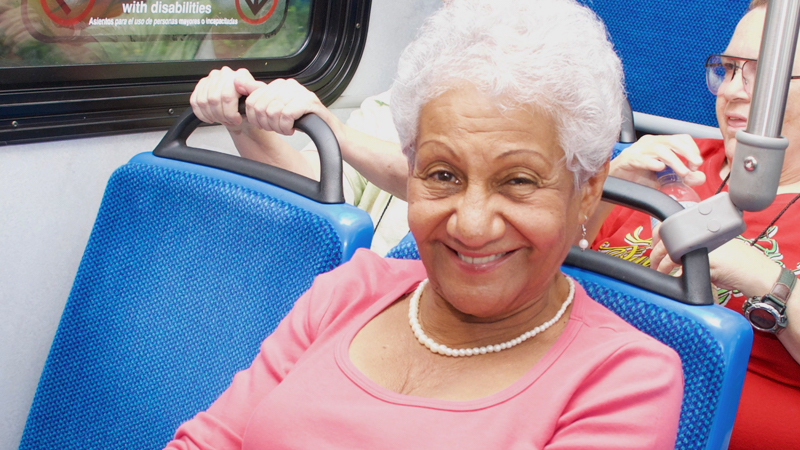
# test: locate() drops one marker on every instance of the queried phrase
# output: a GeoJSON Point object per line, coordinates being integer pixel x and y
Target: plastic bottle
{"type": "Point", "coordinates": [671, 184]}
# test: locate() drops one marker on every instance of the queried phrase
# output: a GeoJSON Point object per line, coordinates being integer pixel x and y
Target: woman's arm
{"type": "Point", "coordinates": [790, 337]}
{"type": "Point", "coordinates": [381, 162]}
{"type": "Point", "coordinates": [738, 266]}
{"type": "Point", "coordinates": [272, 109]}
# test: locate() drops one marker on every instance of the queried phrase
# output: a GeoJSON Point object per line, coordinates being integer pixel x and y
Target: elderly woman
{"type": "Point", "coordinates": [484, 343]}
{"type": "Point", "coordinates": [763, 260]}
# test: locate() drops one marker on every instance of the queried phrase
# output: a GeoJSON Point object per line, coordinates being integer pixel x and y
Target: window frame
{"type": "Point", "coordinates": [58, 102]}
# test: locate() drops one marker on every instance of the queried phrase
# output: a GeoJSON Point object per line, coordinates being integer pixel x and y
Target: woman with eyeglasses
{"type": "Point", "coordinates": [763, 261]}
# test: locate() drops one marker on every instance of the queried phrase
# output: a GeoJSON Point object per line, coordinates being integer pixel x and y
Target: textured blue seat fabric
{"type": "Point", "coordinates": [663, 45]}
{"type": "Point", "coordinates": [186, 271]}
{"type": "Point", "coordinates": [405, 249]}
{"type": "Point", "coordinates": [712, 341]}
{"type": "Point", "coordinates": [618, 148]}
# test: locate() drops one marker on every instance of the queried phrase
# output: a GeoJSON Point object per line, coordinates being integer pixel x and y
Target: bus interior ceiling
{"type": "Point", "coordinates": [50, 193]}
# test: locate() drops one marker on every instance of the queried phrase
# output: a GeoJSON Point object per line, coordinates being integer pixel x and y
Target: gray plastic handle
{"type": "Point", "coordinates": [328, 190]}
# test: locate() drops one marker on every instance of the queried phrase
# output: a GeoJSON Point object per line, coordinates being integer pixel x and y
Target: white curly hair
{"type": "Point", "coordinates": [553, 55]}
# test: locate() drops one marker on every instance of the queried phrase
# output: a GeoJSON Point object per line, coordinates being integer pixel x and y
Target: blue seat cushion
{"type": "Point", "coordinates": [183, 277]}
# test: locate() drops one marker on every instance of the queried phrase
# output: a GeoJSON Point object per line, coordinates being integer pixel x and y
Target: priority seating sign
{"type": "Point", "coordinates": [261, 10]}
{"type": "Point", "coordinates": [148, 20]}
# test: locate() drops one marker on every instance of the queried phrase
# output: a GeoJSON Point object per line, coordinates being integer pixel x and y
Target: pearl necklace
{"type": "Point", "coordinates": [413, 315]}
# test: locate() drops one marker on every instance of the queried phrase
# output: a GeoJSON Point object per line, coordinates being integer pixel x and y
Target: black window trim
{"type": "Point", "coordinates": [61, 103]}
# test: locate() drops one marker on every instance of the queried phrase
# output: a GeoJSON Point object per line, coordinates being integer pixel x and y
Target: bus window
{"type": "Point", "coordinates": [53, 32]}
{"type": "Point", "coordinates": [71, 68]}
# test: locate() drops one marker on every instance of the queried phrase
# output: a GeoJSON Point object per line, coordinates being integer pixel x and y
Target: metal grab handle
{"type": "Point", "coordinates": [758, 161]}
{"type": "Point", "coordinates": [328, 190]}
{"type": "Point", "coordinates": [627, 133]}
{"type": "Point", "coordinates": [693, 287]}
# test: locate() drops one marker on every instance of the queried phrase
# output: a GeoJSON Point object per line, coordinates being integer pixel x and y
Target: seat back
{"type": "Point", "coordinates": [188, 268]}
{"type": "Point", "coordinates": [713, 343]}
{"type": "Point", "coordinates": [663, 45]}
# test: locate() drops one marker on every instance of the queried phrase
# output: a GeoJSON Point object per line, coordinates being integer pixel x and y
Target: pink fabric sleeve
{"type": "Point", "coordinates": [222, 426]}
{"type": "Point", "coordinates": [631, 401]}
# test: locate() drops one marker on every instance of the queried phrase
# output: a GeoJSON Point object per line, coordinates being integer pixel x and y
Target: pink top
{"type": "Point", "coordinates": [602, 385]}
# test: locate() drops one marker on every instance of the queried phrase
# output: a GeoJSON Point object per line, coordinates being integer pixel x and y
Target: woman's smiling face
{"type": "Point", "coordinates": [492, 205]}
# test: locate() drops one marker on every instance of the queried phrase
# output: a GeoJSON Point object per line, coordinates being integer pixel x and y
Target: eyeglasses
{"type": "Point", "coordinates": [721, 69]}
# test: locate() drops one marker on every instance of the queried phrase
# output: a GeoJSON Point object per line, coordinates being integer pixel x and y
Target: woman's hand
{"type": "Point", "coordinates": [215, 99]}
{"type": "Point", "coordinates": [273, 108]}
{"type": "Point", "coordinates": [270, 107]}
{"type": "Point", "coordinates": [650, 154]}
{"type": "Point", "coordinates": [277, 105]}
{"type": "Point", "coordinates": [735, 266]}
{"type": "Point", "coordinates": [640, 162]}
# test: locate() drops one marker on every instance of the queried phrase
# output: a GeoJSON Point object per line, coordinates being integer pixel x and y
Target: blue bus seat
{"type": "Point", "coordinates": [618, 148]}
{"type": "Point", "coordinates": [663, 45]}
{"type": "Point", "coordinates": [187, 269]}
{"type": "Point", "coordinates": [712, 341]}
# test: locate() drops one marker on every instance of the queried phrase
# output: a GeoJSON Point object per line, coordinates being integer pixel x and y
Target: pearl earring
{"type": "Point", "coordinates": [583, 243]}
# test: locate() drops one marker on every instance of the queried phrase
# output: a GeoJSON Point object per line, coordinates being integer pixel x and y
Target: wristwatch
{"type": "Point", "coordinates": [768, 313]}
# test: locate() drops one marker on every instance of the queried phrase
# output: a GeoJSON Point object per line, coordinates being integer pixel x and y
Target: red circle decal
{"type": "Point", "coordinates": [255, 6]}
{"type": "Point", "coordinates": [67, 18]}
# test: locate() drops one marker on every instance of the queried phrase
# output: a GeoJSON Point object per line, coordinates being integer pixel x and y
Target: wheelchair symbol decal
{"type": "Point", "coordinates": [256, 7]}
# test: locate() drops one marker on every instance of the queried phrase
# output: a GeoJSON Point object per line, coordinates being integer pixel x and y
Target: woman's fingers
{"type": "Point", "coordinates": [271, 107]}
{"type": "Point", "coordinates": [244, 83]}
{"type": "Point", "coordinates": [650, 154]}
{"type": "Point", "coordinates": [277, 105]}
{"type": "Point", "coordinates": [198, 101]}
{"type": "Point", "coordinates": [660, 260]}
{"type": "Point", "coordinates": [222, 98]}
{"type": "Point", "coordinates": [215, 99]}
{"type": "Point", "coordinates": [257, 103]}
{"type": "Point", "coordinates": [684, 145]}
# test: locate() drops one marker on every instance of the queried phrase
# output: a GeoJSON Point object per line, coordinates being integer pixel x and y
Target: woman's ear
{"type": "Point", "coordinates": [592, 191]}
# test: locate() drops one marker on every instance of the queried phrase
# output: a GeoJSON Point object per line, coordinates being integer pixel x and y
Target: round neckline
{"type": "Point", "coordinates": [345, 364]}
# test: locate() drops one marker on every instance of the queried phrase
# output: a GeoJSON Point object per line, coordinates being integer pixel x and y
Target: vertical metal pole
{"type": "Point", "coordinates": [757, 164]}
{"type": "Point", "coordinates": [774, 68]}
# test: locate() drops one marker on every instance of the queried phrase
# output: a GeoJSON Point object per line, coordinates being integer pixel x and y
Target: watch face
{"type": "Point", "coordinates": [762, 319]}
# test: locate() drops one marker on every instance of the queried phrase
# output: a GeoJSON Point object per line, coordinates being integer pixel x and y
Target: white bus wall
{"type": "Point", "coordinates": [50, 193]}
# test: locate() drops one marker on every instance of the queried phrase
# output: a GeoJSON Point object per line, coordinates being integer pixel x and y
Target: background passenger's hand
{"type": "Point", "coordinates": [650, 154]}
{"type": "Point", "coordinates": [276, 106]}
{"type": "Point", "coordinates": [734, 265]}
{"type": "Point", "coordinates": [270, 107]}
{"type": "Point", "coordinates": [215, 99]}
